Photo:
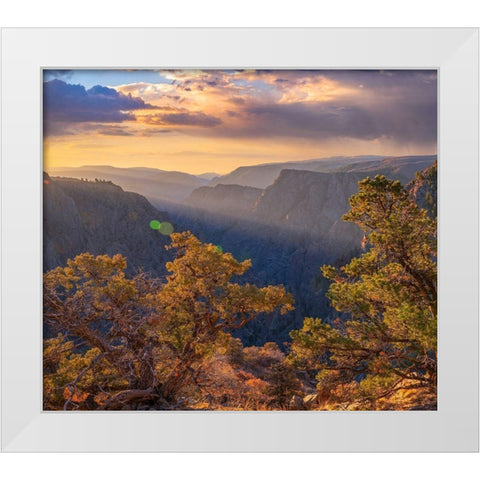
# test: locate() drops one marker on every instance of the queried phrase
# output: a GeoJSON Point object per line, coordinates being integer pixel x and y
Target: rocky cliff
{"type": "Point", "coordinates": [423, 189]}
{"type": "Point", "coordinates": [229, 200]}
{"type": "Point", "coordinates": [310, 203]}
{"type": "Point", "coordinates": [100, 218]}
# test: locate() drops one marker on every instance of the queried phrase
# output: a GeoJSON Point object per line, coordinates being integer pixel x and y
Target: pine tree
{"type": "Point", "coordinates": [388, 346]}
{"type": "Point", "coordinates": [132, 342]}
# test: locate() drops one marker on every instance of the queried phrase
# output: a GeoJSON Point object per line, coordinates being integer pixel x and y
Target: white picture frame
{"type": "Point", "coordinates": [453, 427]}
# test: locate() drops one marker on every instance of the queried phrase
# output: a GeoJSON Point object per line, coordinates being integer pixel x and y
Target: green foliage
{"type": "Point", "coordinates": [282, 383]}
{"type": "Point", "coordinates": [199, 301]}
{"type": "Point", "coordinates": [71, 379]}
{"type": "Point", "coordinates": [390, 342]}
{"type": "Point", "coordinates": [144, 341]}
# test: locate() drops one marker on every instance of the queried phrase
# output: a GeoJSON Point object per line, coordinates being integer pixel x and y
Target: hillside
{"type": "Point", "coordinates": [152, 183]}
{"type": "Point", "coordinates": [311, 203]}
{"type": "Point", "coordinates": [99, 218]}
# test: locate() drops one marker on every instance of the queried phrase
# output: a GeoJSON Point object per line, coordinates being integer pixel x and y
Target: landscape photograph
{"type": "Point", "coordinates": [239, 240]}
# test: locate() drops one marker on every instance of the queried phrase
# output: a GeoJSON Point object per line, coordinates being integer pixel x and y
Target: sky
{"type": "Point", "coordinates": [215, 120]}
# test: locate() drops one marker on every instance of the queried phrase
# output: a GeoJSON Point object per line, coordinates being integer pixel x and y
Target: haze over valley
{"type": "Point", "coordinates": [289, 228]}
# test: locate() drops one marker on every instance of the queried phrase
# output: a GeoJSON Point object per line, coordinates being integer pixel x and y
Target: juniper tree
{"type": "Point", "coordinates": [129, 341]}
{"type": "Point", "coordinates": [389, 342]}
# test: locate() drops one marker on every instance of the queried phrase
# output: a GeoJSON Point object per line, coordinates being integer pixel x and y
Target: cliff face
{"type": "Point", "coordinates": [423, 189]}
{"type": "Point", "coordinates": [230, 200]}
{"type": "Point", "coordinates": [298, 202]}
{"type": "Point", "coordinates": [311, 203]}
{"type": "Point", "coordinates": [100, 218]}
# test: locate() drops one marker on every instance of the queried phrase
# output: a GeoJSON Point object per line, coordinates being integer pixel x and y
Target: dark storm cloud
{"type": "Point", "coordinates": [399, 105]}
{"type": "Point", "coordinates": [65, 104]}
{"type": "Point", "coordinates": [384, 78]}
{"type": "Point", "coordinates": [414, 122]}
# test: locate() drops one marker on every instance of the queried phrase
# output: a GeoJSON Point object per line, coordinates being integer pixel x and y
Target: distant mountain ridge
{"type": "Point", "coordinates": [163, 187]}
{"type": "Point", "coordinates": [155, 184]}
{"type": "Point", "coordinates": [261, 176]}
{"type": "Point", "coordinates": [399, 168]}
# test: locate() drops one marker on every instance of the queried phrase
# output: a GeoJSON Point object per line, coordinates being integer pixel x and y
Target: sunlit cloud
{"type": "Point", "coordinates": [341, 104]}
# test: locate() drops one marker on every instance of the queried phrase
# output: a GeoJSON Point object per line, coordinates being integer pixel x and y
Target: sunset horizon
{"type": "Point", "coordinates": [49, 169]}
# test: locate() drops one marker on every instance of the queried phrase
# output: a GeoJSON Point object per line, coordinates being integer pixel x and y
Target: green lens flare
{"type": "Point", "coordinates": [219, 249]}
{"type": "Point", "coordinates": [166, 228]}
{"type": "Point", "coordinates": [155, 225]}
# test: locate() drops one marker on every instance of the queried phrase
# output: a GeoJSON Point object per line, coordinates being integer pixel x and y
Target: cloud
{"type": "Point", "coordinates": [315, 105]}
{"type": "Point", "coordinates": [400, 121]}
{"type": "Point", "coordinates": [65, 104]}
{"type": "Point", "coordinates": [51, 74]}
{"type": "Point", "coordinates": [153, 132]}
{"type": "Point", "coordinates": [183, 118]}
{"type": "Point", "coordinates": [114, 130]}
{"type": "Point", "coordinates": [400, 106]}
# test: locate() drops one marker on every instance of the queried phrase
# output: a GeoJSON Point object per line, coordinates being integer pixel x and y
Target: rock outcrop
{"type": "Point", "coordinates": [423, 189]}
